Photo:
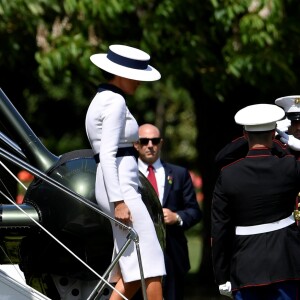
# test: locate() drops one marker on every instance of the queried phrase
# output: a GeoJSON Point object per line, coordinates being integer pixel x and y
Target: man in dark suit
{"type": "Point", "coordinates": [180, 207]}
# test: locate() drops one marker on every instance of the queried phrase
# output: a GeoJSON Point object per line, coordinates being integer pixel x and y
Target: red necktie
{"type": "Point", "coordinates": [152, 179]}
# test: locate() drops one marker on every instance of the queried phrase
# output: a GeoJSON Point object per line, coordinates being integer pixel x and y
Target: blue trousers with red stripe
{"type": "Point", "coordinates": [286, 290]}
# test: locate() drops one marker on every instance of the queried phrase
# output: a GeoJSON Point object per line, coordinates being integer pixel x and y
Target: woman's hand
{"type": "Point", "coordinates": [122, 213]}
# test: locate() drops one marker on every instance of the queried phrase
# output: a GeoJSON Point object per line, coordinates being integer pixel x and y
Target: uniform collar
{"type": "Point", "coordinates": [259, 151]}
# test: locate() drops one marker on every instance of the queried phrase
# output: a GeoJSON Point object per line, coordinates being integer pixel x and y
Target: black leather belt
{"type": "Point", "coordinates": [126, 151]}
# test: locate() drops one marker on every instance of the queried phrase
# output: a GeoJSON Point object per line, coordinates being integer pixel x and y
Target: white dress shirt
{"type": "Point", "coordinates": [159, 175]}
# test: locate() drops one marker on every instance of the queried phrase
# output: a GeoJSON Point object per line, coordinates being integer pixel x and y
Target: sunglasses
{"type": "Point", "coordinates": [145, 141]}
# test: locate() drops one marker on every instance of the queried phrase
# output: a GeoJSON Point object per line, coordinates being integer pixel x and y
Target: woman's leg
{"type": "Point", "coordinates": [154, 288]}
{"type": "Point", "coordinates": [127, 289]}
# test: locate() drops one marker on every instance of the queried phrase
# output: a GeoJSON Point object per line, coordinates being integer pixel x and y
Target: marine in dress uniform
{"type": "Point", "coordinates": [291, 106]}
{"type": "Point", "coordinates": [255, 240]}
{"type": "Point", "coordinates": [238, 148]}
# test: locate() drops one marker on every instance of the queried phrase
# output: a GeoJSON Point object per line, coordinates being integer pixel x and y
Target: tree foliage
{"type": "Point", "coordinates": [214, 56]}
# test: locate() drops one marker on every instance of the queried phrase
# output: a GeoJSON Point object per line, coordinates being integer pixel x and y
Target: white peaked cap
{"type": "Point", "coordinates": [259, 117]}
{"type": "Point", "coordinates": [289, 103]}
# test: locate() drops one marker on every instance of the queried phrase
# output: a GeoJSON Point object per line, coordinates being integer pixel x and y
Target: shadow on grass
{"type": "Point", "coordinates": [196, 290]}
{"type": "Point", "coordinates": [196, 286]}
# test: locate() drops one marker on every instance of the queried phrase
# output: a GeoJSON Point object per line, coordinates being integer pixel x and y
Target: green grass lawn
{"type": "Point", "coordinates": [195, 247]}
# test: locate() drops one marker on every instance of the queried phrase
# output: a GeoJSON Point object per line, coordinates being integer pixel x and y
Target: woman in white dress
{"type": "Point", "coordinates": [112, 130]}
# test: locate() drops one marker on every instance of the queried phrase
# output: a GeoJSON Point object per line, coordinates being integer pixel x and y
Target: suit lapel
{"type": "Point", "coordinates": [168, 181]}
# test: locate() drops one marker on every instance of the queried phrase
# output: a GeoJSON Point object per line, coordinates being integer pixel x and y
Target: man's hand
{"type": "Point", "coordinates": [170, 217]}
{"type": "Point", "coordinates": [292, 142]}
{"type": "Point", "coordinates": [283, 125]}
{"type": "Point", "coordinates": [225, 289]}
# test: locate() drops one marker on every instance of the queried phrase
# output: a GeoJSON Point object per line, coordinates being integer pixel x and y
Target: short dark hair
{"type": "Point", "coordinates": [107, 75]}
{"type": "Point", "coordinates": [259, 136]}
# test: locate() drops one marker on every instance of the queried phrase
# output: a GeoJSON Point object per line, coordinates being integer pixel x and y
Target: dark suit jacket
{"type": "Point", "coordinates": [180, 197]}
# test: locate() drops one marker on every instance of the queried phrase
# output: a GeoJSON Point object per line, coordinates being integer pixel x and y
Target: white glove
{"type": "Point", "coordinates": [283, 125]}
{"type": "Point", "coordinates": [293, 142]}
{"type": "Point", "coordinates": [225, 289]}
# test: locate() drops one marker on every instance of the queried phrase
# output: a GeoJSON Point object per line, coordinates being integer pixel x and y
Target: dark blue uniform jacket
{"type": "Point", "coordinates": [260, 188]}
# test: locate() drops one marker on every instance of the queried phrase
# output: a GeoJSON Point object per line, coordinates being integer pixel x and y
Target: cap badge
{"type": "Point", "coordinates": [297, 100]}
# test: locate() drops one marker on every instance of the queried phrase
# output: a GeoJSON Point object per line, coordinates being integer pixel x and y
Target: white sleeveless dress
{"type": "Point", "coordinates": [109, 126]}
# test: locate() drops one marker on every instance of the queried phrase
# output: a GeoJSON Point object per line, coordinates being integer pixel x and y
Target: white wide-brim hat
{"type": "Point", "coordinates": [259, 117]}
{"type": "Point", "coordinates": [126, 61]}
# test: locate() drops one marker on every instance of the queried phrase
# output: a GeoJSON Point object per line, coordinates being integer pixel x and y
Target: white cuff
{"type": "Point", "coordinates": [225, 289]}
{"type": "Point", "coordinates": [179, 220]}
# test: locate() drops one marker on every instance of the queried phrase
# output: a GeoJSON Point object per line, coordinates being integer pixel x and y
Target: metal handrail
{"type": "Point", "coordinates": [132, 235]}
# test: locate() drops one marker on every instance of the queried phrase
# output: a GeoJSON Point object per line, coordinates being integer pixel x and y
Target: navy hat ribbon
{"type": "Point", "coordinates": [127, 62]}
